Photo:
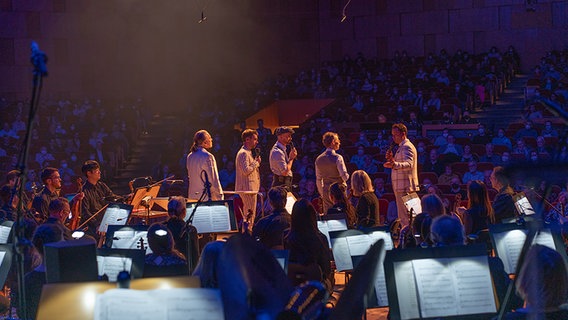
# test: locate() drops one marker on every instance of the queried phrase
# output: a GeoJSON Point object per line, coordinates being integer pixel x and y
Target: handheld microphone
{"type": "Point", "coordinates": [292, 145]}
{"type": "Point", "coordinates": [255, 152]}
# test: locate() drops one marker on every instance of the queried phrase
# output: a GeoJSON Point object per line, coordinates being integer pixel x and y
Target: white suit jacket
{"type": "Point", "coordinates": [197, 162]}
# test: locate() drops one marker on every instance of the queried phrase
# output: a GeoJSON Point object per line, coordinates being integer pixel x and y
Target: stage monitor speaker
{"type": "Point", "coordinates": [71, 261]}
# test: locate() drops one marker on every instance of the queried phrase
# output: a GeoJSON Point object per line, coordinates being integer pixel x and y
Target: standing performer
{"type": "Point", "coordinates": [404, 165]}
{"type": "Point", "coordinates": [280, 160]}
{"type": "Point", "coordinates": [202, 169]}
{"type": "Point", "coordinates": [330, 168]}
{"type": "Point", "coordinates": [97, 195]}
{"type": "Point", "coordinates": [248, 175]}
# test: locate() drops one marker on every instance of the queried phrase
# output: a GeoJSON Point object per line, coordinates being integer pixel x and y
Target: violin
{"type": "Point", "coordinates": [76, 208]}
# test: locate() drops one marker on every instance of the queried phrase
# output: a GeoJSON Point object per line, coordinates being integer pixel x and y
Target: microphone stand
{"type": "Point", "coordinates": [189, 230]}
{"type": "Point", "coordinates": [38, 60]}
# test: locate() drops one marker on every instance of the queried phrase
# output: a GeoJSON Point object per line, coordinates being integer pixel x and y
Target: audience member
{"type": "Point", "coordinates": [433, 164]}
{"type": "Point", "coordinates": [526, 131]}
{"type": "Point", "coordinates": [481, 137]}
{"type": "Point", "coordinates": [472, 173]}
{"type": "Point", "coordinates": [502, 140]}
{"type": "Point", "coordinates": [448, 175]}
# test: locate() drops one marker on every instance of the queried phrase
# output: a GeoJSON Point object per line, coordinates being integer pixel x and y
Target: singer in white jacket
{"type": "Point", "coordinates": [247, 174]}
{"type": "Point", "coordinates": [202, 168]}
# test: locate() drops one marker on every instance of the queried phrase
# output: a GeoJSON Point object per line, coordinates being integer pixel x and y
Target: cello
{"type": "Point", "coordinates": [76, 207]}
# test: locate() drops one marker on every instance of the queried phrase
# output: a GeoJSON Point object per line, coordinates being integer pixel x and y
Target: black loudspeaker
{"type": "Point", "coordinates": [71, 261]}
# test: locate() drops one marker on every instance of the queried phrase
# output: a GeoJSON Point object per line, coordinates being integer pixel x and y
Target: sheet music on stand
{"type": "Point", "coordinates": [113, 261]}
{"type": "Point", "coordinates": [167, 304]}
{"type": "Point", "coordinates": [331, 222]}
{"type": "Point", "coordinates": [345, 244]}
{"type": "Point", "coordinates": [5, 262]}
{"type": "Point", "coordinates": [115, 214]}
{"type": "Point", "coordinates": [452, 282]}
{"type": "Point", "coordinates": [128, 237]}
{"type": "Point", "coordinates": [412, 201]}
{"type": "Point", "coordinates": [508, 240]}
{"type": "Point", "coordinates": [290, 200]}
{"type": "Point", "coordinates": [523, 205]}
{"type": "Point", "coordinates": [6, 232]}
{"type": "Point", "coordinates": [212, 216]}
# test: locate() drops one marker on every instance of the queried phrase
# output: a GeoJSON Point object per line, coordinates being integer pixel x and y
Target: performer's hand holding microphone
{"type": "Point", "coordinates": [293, 152]}
{"type": "Point", "coordinates": [389, 163]}
{"type": "Point", "coordinates": [256, 155]}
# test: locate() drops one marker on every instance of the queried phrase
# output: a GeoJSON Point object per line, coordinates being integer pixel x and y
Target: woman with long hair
{"type": "Point", "coordinates": [306, 244]}
{"type": "Point", "coordinates": [202, 169]}
{"type": "Point", "coordinates": [367, 209]}
{"type": "Point", "coordinates": [338, 196]}
{"type": "Point", "coordinates": [479, 213]}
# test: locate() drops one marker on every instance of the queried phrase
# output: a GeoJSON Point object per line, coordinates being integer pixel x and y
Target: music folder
{"type": "Point", "coordinates": [113, 261]}
{"type": "Point", "coordinates": [128, 237]}
{"type": "Point", "coordinates": [115, 214]}
{"type": "Point", "coordinates": [452, 282]}
{"type": "Point", "coordinates": [212, 216]}
{"type": "Point", "coordinates": [508, 240]}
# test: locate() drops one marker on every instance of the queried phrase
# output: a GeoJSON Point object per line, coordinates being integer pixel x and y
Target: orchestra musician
{"type": "Point", "coordinates": [97, 195]}
{"type": "Point", "coordinates": [52, 184]}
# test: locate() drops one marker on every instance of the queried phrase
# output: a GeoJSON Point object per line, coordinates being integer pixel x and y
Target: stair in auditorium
{"type": "Point", "coordinates": [509, 108]}
{"type": "Point", "coordinates": [146, 151]}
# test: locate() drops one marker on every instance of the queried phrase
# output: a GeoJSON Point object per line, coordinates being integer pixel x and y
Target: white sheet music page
{"type": "Point", "coordinates": [4, 234]}
{"type": "Point", "coordinates": [376, 235]}
{"type": "Point", "coordinates": [130, 239]}
{"type": "Point", "coordinates": [111, 266]}
{"type": "Point", "coordinates": [509, 246]}
{"type": "Point", "coordinates": [322, 227]}
{"type": "Point", "coordinates": [168, 304]}
{"type": "Point", "coordinates": [406, 290]}
{"type": "Point", "coordinates": [359, 245]}
{"type": "Point", "coordinates": [113, 216]}
{"type": "Point", "coordinates": [341, 254]}
{"type": "Point", "coordinates": [209, 219]}
{"type": "Point", "coordinates": [337, 225]}
{"type": "Point", "coordinates": [381, 283]}
{"type": "Point", "coordinates": [473, 284]}
{"type": "Point", "coordinates": [436, 287]}
{"type": "Point", "coordinates": [544, 237]}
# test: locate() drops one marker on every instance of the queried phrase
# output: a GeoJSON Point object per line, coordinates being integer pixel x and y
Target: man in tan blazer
{"type": "Point", "coordinates": [248, 175]}
{"type": "Point", "coordinates": [404, 165]}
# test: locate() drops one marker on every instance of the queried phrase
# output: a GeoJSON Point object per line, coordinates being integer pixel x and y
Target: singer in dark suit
{"type": "Point", "coordinates": [280, 160]}
{"type": "Point", "coordinates": [330, 168]}
{"type": "Point", "coordinates": [404, 165]}
{"type": "Point", "coordinates": [248, 175]}
{"type": "Point", "coordinates": [202, 169]}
